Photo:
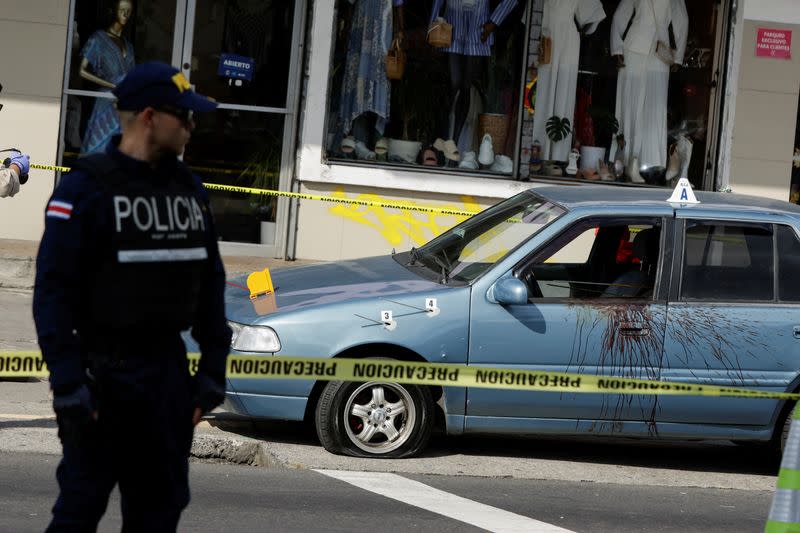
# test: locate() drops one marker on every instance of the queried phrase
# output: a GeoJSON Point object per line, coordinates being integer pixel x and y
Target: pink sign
{"type": "Point", "coordinates": [774, 43]}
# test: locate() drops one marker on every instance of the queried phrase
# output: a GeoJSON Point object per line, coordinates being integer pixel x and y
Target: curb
{"type": "Point", "coordinates": [234, 451]}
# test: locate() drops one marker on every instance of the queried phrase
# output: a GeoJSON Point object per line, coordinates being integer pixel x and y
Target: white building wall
{"type": "Point", "coordinates": [32, 45]}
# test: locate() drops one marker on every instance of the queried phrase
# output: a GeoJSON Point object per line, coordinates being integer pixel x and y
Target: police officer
{"type": "Point", "coordinates": [128, 260]}
{"type": "Point", "coordinates": [16, 173]}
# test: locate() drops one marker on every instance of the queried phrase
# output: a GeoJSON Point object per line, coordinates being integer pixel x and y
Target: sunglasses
{"type": "Point", "coordinates": [182, 114]}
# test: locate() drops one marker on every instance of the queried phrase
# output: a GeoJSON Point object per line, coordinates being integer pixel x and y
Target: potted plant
{"type": "Point", "coordinates": [262, 171]}
{"type": "Point", "coordinates": [604, 127]}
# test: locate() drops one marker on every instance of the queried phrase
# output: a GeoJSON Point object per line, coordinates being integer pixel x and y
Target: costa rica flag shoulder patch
{"type": "Point", "coordinates": [59, 209]}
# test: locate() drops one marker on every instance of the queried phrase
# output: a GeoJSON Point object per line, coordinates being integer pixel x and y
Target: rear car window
{"type": "Point", "coordinates": [727, 262]}
{"type": "Point", "coordinates": [788, 265]}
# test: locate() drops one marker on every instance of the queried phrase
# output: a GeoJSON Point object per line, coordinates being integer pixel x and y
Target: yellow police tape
{"type": "Point", "coordinates": [300, 196]}
{"type": "Point", "coordinates": [30, 364]}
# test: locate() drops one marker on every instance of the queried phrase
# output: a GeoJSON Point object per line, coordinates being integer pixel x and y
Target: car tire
{"type": "Point", "coordinates": [348, 424]}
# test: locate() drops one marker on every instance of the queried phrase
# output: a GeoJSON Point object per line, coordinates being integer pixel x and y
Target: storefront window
{"type": "Point", "coordinates": [453, 102]}
{"type": "Point", "coordinates": [614, 90]}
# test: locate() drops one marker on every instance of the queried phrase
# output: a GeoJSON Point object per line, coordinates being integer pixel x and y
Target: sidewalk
{"type": "Point", "coordinates": [18, 263]}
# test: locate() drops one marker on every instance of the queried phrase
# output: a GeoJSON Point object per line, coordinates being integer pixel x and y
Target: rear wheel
{"type": "Point", "coordinates": [374, 419]}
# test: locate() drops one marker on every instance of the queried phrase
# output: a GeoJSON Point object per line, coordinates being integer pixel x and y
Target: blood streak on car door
{"type": "Point", "coordinates": [727, 324]}
{"type": "Point", "coordinates": [587, 313]}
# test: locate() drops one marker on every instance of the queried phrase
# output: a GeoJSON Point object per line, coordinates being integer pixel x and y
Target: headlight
{"type": "Point", "coordinates": [254, 338]}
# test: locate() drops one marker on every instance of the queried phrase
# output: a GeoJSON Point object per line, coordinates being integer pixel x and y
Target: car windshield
{"type": "Point", "coordinates": [469, 249]}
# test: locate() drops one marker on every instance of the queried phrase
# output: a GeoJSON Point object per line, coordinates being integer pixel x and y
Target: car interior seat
{"type": "Point", "coordinates": [638, 281]}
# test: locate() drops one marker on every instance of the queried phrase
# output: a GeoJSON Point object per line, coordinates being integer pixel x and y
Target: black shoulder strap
{"type": "Point", "coordinates": [102, 167]}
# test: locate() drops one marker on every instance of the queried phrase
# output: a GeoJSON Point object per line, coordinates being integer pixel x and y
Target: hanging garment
{"type": "Point", "coordinates": [642, 85]}
{"type": "Point", "coordinates": [558, 80]}
{"type": "Point", "coordinates": [468, 18]}
{"type": "Point", "coordinates": [109, 62]}
{"type": "Point", "coordinates": [366, 87]}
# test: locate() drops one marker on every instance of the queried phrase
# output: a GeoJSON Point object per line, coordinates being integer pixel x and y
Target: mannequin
{"type": "Point", "coordinates": [558, 80]}
{"type": "Point", "coordinates": [473, 29]}
{"type": "Point", "coordinates": [107, 57]}
{"type": "Point", "coordinates": [643, 78]}
{"type": "Point", "coordinates": [366, 91]}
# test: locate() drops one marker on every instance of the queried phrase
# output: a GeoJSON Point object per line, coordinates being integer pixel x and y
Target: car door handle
{"type": "Point", "coordinates": [633, 329]}
{"type": "Point", "coordinates": [796, 332]}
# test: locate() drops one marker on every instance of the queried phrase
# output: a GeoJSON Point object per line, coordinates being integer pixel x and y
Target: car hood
{"type": "Point", "coordinates": [323, 284]}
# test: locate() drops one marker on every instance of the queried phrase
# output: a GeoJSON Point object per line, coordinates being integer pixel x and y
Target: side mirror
{"type": "Point", "coordinates": [509, 291]}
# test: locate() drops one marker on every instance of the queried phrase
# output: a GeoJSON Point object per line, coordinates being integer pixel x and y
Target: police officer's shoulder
{"type": "Point", "coordinates": [77, 184]}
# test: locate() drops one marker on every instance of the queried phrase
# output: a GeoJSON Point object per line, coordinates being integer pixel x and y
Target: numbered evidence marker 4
{"type": "Point", "coordinates": [388, 322]}
{"type": "Point", "coordinates": [431, 307]}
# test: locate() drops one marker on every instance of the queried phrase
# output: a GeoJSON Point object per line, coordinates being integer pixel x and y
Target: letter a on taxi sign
{"type": "Point", "coordinates": [683, 193]}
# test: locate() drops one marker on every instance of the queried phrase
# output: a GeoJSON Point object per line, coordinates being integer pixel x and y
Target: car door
{"type": "Point", "coordinates": [574, 322]}
{"type": "Point", "coordinates": [733, 319]}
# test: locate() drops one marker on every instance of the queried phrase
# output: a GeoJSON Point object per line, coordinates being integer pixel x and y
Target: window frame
{"type": "Point", "coordinates": [777, 260]}
{"type": "Point", "coordinates": [676, 293]}
{"type": "Point", "coordinates": [663, 269]}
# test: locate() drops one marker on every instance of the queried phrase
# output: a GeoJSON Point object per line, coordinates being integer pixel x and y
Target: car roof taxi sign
{"type": "Point", "coordinates": [683, 193]}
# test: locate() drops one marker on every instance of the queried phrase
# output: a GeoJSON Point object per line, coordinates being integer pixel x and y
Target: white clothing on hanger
{"type": "Point", "coordinates": [643, 84]}
{"type": "Point", "coordinates": [558, 80]}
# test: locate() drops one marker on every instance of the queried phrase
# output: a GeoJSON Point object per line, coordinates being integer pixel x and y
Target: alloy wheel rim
{"type": "Point", "coordinates": [379, 417]}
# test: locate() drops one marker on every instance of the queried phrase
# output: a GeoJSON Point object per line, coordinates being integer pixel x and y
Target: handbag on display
{"type": "Point", "coordinates": [545, 50]}
{"type": "Point", "coordinates": [395, 61]}
{"type": "Point", "coordinates": [440, 33]}
{"type": "Point", "coordinates": [665, 53]}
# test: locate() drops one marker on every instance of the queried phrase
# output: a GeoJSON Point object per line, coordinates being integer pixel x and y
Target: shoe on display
{"type": "Point", "coordinates": [684, 149]}
{"type": "Point", "coordinates": [486, 152]}
{"type": "Point", "coordinates": [673, 164]}
{"type": "Point", "coordinates": [502, 164]}
{"type": "Point", "coordinates": [348, 144]}
{"type": "Point", "coordinates": [469, 161]}
{"type": "Point", "coordinates": [602, 170]}
{"type": "Point", "coordinates": [633, 173]}
{"type": "Point", "coordinates": [362, 152]}
{"type": "Point", "coordinates": [572, 167]}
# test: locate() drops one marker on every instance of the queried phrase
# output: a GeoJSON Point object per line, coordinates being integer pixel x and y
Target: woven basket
{"type": "Point", "coordinates": [496, 125]}
{"type": "Point", "coordinates": [440, 34]}
{"type": "Point", "coordinates": [395, 61]}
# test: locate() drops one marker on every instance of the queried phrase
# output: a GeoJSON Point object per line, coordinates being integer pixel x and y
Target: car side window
{"type": "Point", "coordinates": [788, 265]}
{"type": "Point", "coordinates": [603, 259]}
{"type": "Point", "coordinates": [727, 261]}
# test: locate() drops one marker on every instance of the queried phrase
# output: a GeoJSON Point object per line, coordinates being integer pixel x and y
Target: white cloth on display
{"type": "Point", "coordinates": [558, 80]}
{"type": "Point", "coordinates": [643, 84]}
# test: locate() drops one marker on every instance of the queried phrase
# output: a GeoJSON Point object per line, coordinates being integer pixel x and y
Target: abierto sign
{"type": "Point", "coordinates": [774, 43]}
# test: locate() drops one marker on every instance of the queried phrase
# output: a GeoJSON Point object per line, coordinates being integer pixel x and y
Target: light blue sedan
{"type": "Point", "coordinates": [599, 280]}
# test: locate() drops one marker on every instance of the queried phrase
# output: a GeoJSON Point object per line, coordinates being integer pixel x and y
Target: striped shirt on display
{"type": "Point", "coordinates": [468, 18]}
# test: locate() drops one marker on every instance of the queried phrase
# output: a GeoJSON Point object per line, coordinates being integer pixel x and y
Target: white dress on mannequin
{"type": "Point", "coordinates": [642, 85]}
{"type": "Point", "coordinates": [558, 80]}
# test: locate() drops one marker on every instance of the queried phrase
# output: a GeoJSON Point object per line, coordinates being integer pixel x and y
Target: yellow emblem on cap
{"type": "Point", "coordinates": [259, 283]}
{"type": "Point", "coordinates": [181, 82]}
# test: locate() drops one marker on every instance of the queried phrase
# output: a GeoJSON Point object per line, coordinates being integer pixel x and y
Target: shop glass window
{"type": "Point", "coordinates": [727, 262]}
{"type": "Point", "coordinates": [596, 90]}
{"type": "Point", "coordinates": [454, 107]}
{"type": "Point", "coordinates": [794, 194]}
{"type": "Point", "coordinates": [788, 265]}
{"type": "Point", "coordinates": [109, 38]}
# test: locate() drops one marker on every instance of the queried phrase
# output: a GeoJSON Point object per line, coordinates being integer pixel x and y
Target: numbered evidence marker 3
{"type": "Point", "coordinates": [431, 307]}
{"type": "Point", "coordinates": [388, 322]}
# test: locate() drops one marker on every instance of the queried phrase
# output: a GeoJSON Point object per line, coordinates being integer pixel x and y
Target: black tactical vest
{"type": "Point", "coordinates": [149, 273]}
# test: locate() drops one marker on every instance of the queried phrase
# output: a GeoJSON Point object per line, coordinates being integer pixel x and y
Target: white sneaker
{"type": "Point", "coordinates": [572, 167]}
{"type": "Point", "coordinates": [468, 161]}
{"type": "Point", "coordinates": [502, 164]}
{"type": "Point", "coordinates": [634, 172]}
{"type": "Point", "coordinates": [362, 152]}
{"type": "Point", "coordinates": [486, 152]}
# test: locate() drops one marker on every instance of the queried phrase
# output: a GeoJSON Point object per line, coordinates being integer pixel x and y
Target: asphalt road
{"type": "Point", "coordinates": [237, 498]}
